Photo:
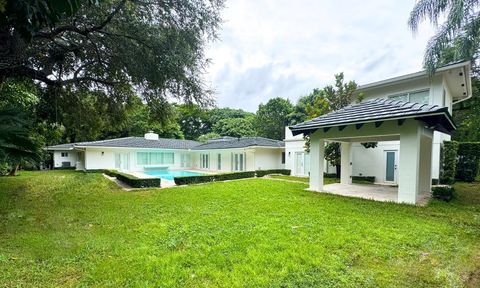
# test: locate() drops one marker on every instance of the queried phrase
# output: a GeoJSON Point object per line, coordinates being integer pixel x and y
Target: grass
{"type": "Point", "coordinates": [65, 228]}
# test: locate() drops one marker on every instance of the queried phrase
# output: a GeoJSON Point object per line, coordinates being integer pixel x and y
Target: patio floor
{"type": "Point", "coordinates": [383, 193]}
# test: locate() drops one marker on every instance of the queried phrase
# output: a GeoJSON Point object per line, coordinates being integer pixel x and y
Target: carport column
{"type": "Point", "coordinates": [317, 155]}
{"type": "Point", "coordinates": [409, 166]}
{"type": "Point", "coordinates": [345, 172]}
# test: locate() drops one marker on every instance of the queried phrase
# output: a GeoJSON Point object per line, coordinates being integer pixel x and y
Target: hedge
{"type": "Point", "coordinates": [369, 179]}
{"type": "Point", "coordinates": [448, 162]}
{"type": "Point", "coordinates": [468, 160]}
{"type": "Point", "coordinates": [443, 192]}
{"type": "Point", "coordinates": [261, 173]}
{"type": "Point", "coordinates": [330, 175]}
{"type": "Point", "coordinates": [133, 181]}
{"type": "Point", "coordinates": [185, 180]}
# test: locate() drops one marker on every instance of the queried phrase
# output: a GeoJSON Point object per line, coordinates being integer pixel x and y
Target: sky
{"type": "Point", "coordinates": [285, 48]}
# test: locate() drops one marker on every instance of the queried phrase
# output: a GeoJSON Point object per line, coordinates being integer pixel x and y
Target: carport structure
{"type": "Point", "coordinates": [380, 120]}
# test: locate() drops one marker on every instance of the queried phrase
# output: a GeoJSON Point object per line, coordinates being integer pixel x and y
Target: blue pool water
{"type": "Point", "coordinates": [169, 175]}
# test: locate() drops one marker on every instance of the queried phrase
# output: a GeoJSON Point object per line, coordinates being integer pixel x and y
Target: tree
{"type": "Point", "coordinates": [467, 116]}
{"type": "Point", "coordinates": [328, 99]}
{"type": "Point", "coordinates": [234, 127]}
{"type": "Point", "coordinates": [460, 30]}
{"type": "Point", "coordinates": [272, 118]}
{"type": "Point", "coordinates": [193, 120]}
{"type": "Point", "coordinates": [216, 114]}
{"type": "Point", "coordinates": [154, 48]}
{"type": "Point", "coordinates": [300, 113]}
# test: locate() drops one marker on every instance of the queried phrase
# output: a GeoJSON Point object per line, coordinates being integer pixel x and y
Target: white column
{"type": "Point", "coordinates": [317, 154]}
{"type": "Point", "coordinates": [345, 172]}
{"type": "Point", "coordinates": [409, 166]}
{"type": "Point", "coordinates": [426, 143]}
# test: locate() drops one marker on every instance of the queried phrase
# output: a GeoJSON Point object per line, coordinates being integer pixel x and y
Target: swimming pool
{"type": "Point", "coordinates": [169, 175]}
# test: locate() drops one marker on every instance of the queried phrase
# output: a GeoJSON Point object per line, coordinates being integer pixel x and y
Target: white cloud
{"type": "Point", "coordinates": [286, 48]}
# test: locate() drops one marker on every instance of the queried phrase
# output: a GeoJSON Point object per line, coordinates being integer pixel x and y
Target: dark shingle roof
{"type": "Point", "coordinates": [67, 146]}
{"type": "Point", "coordinates": [135, 142]}
{"type": "Point", "coordinates": [379, 110]}
{"type": "Point", "coordinates": [226, 143]}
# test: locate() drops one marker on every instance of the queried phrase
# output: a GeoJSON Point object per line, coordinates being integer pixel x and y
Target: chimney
{"type": "Point", "coordinates": [151, 136]}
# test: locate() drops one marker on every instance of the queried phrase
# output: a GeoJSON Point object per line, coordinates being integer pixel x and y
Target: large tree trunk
{"type": "Point", "coordinates": [14, 170]}
{"type": "Point", "coordinates": [338, 169]}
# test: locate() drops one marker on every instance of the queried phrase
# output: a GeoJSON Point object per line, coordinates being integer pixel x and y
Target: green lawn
{"type": "Point", "coordinates": [73, 229]}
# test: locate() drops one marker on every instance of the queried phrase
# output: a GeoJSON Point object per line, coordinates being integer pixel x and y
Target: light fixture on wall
{"type": "Point", "coordinates": [103, 153]}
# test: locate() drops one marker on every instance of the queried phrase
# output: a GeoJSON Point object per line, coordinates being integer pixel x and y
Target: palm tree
{"type": "Point", "coordinates": [16, 145]}
{"type": "Point", "coordinates": [458, 34]}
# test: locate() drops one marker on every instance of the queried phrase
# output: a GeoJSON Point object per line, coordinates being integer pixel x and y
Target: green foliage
{"type": "Point", "coordinates": [133, 181]}
{"type": "Point", "coordinates": [330, 175]}
{"type": "Point", "coordinates": [272, 118]}
{"type": "Point", "coordinates": [235, 127]}
{"type": "Point", "coordinates": [261, 173]}
{"type": "Point", "coordinates": [466, 116]}
{"type": "Point", "coordinates": [150, 48]}
{"type": "Point", "coordinates": [193, 121]}
{"type": "Point", "coordinates": [363, 179]}
{"type": "Point", "coordinates": [449, 162]}
{"type": "Point", "coordinates": [217, 114]}
{"type": "Point", "coordinates": [468, 161]}
{"type": "Point", "coordinates": [457, 37]}
{"type": "Point", "coordinates": [186, 180]}
{"type": "Point", "coordinates": [332, 153]}
{"type": "Point", "coordinates": [443, 192]}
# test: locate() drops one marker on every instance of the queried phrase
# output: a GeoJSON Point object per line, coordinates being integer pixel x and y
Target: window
{"type": "Point", "coordinates": [204, 160]}
{"type": "Point", "coordinates": [219, 162]}
{"type": "Point", "coordinates": [238, 161]}
{"type": "Point", "coordinates": [155, 158]}
{"type": "Point", "coordinates": [283, 157]}
{"type": "Point", "coordinates": [414, 96]}
{"type": "Point", "coordinates": [64, 154]}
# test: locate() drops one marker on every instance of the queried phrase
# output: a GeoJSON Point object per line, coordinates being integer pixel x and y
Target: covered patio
{"type": "Point", "coordinates": [379, 120]}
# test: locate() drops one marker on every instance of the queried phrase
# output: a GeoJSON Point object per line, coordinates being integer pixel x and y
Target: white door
{"type": "Point", "coordinates": [391, 165]}
{"type": "Point", "coordinates": [122, 161]}
{"type": "Point", "coordinates": [299, 163]}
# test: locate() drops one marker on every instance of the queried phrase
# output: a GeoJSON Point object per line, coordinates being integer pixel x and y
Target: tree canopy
{"type": "Point", "coordinates": [272, 117]}
{"type": "Point", "coordinates": [154, 48]}
{"type": "Point", "coordinates": [458, 26]}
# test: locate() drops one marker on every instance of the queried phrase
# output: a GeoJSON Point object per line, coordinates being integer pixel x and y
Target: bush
{"type": "Point", "coordinates": [261, 173]}
{"type": "Point", "coordinates": [468, 161]}
{"type": "Point", "coordinates": [133, 181]}
{"type": "Point", "coordinates": [443, 192]}
{"type": "Point", "coordinates": [367, 179]}
{"type": "Point", "coordinates": [215, 177]}
{"type": "Point", "coordinates": [449, 162]}
{"type": "Point", "coordinates": [330, 175]}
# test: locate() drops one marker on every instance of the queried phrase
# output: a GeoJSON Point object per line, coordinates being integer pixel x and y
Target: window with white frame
{"type": "Point", "coordinates": [238, 161]}
{"type": "Point", "coordinates": [204, 161]}
{"type": "Point", "coordinates": [419, 96]}
{"type": "Point", "coordinates": [64, 154]}
{"type": "Point", "coordinates": [219, 161]}
{"type": "Point", "coordinates": [155, 158]}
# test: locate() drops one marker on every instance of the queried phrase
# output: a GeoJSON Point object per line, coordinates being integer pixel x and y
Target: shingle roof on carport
{"type": "Point", "coordinates": [380, 110]}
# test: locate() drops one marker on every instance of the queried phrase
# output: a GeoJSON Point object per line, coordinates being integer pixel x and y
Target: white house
{"type": "Point", "coordinates": [413, 105]}
{"type": "Point", "coordinates": [140, 154]}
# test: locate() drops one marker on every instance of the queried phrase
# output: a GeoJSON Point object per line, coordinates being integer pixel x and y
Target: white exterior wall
{"type": "Point", "coordinates": [267, 158]}
{"type": "Point", "coordinates": [58, 159]}
{"type": "Point", "coordinates": [95, 159]}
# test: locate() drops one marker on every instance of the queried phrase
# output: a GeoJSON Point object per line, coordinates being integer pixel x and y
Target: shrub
{"type": "Point", "coordinates": [133, 181]}
{"type": "Point", "coordinates": [234, 175]}
{"type": "Point", "coordinates": [215, 177]}
{"type": "Point", "coordinates": [449, 162]}
{"type": "Point", "coordinates": [261, 173]}
{"type": "Point", "coordinates": [468, 161]}
{"type": "Point", "coordinates": [367, 179]}
{"type": "Point", "coordinates": [330, 175]}
{"type": "Point", "coordinates": [443, 192]}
